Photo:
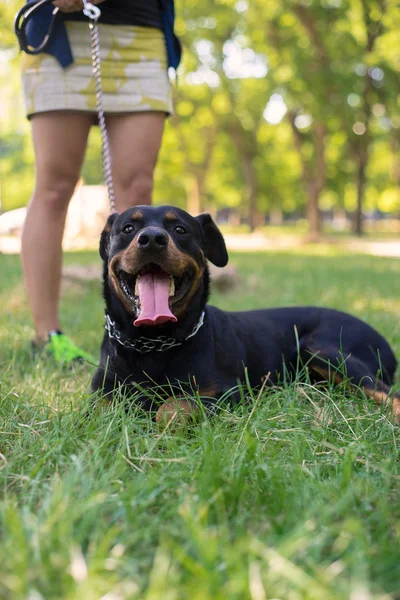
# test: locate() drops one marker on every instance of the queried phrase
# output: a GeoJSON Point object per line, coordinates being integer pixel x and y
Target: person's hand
{"type": "Point", "coordinates": [68, 6]}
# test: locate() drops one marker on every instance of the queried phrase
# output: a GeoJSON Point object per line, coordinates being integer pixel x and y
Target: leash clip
{"type": "Point", "coordinates": [91, 11]}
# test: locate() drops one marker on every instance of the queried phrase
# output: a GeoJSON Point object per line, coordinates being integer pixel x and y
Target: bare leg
{"type": "Point", "coordinates": [135, 141]}
{"type": "Point", "coordinates": [60, 140]}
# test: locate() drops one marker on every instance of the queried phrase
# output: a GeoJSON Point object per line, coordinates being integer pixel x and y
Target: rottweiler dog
{"type": "Point", "coordinates": [161, 332]}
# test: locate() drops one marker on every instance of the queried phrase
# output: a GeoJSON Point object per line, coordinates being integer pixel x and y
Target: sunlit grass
{"type": "Point", "coordinates": [293, 497]}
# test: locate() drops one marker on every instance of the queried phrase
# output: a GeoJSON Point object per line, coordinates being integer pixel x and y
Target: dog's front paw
{"type": "Point", "coordinates": [176, 413]}
{"type": "Point", "coordinates": [396, 409]}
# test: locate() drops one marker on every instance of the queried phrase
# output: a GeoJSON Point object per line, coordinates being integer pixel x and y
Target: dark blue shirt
{"type": "Point", "coordinates": [59, 47]}
{"type": "Point", "coordinates": [146, 13]}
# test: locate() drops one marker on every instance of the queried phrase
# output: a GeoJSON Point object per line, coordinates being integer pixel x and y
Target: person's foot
{"type": "Point", "coordinates": [63, 350]}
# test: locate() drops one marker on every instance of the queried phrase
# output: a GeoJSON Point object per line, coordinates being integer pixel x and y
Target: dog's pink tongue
{"type": "Point", "coordinates": [153, 296]}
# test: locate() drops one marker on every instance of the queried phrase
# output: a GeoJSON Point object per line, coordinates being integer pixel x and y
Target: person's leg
{"type": "Point", "coordinates": [60, 140]}
{"type": "Point", "coordinates": [135, 140]}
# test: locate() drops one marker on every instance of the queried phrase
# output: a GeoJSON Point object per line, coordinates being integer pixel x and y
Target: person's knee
{"type": "Point", "coordinates": [134, 190]}
{"type": "Point", "coordinates": [142, 189]}
{"type": "Point", "coordinates": [55, 195]}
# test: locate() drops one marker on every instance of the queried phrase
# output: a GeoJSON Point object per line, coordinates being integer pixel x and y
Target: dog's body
{"type": "Point", "coordinates": [212, 350]}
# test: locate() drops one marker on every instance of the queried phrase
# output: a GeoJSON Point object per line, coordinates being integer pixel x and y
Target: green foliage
{"type": "Point", "coordinates": [334, 68]}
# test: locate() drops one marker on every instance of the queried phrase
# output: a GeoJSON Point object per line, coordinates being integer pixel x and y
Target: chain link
{"type": "Point", "coordinates": [93, 13]}
{"type": "Point", "coordinates": [143, 344]}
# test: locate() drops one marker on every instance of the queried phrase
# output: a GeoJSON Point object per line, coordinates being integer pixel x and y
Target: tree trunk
{"type": "Point", "coordinates": [395, 148]}
{"type": "Point", "coordinates": [373, 32]}
{"type": "Point", "coordinates": [313, 213]}
{"type": "Point", "coordinates": [358, 214]}
{"type": "Point", "coordinates": [196, 184]}
{"type": "Point", "coordinates": [313, 172]}
{"type": "Point", "coordinates": [245, 146]}
{"type": "Point", "coordinates": [252, 191]}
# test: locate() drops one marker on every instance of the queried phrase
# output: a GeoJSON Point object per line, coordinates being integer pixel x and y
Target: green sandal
{"type": "Point", "coordinates": [64, 351]}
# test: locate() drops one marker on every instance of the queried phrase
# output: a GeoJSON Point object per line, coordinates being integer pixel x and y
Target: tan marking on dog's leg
{"type": "Point", "coordinates": [176, 412]}
{"type": "Point", "coordinates": [208, 392]}
{"type": "Point", "coordinates": [102, 404]}
{"type": "Point", "coordinates": [384, 399]}
{"type": "Point", "coordinates": [327, 374]}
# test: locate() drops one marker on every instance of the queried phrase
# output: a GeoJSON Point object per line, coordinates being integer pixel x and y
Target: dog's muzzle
{"type": "Point", "coordinates": [151, 276]}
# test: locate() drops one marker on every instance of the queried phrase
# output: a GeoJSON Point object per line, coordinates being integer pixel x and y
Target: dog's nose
{"type": "Point", "coordinates": [152, 238]}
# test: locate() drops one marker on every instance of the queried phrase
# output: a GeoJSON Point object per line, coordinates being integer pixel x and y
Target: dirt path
{"type": "Point", "coordinates": [258, 242]}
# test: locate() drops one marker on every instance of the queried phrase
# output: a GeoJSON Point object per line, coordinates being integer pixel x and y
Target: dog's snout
{"type": "Point", "coordinates": [152, 238]}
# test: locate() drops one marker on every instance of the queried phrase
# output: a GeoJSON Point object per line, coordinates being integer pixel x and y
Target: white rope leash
{"type": "Point", "coordinates": [93, 13]}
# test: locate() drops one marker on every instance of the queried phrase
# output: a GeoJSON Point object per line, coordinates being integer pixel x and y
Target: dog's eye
{"type": "Point", "coordinates": [127, 229]}
{"type": "Point", "coordinates": [180, 229]}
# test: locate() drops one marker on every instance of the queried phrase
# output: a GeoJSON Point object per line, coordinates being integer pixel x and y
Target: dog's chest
{"type": "Point", "coordinates": [163, 368]}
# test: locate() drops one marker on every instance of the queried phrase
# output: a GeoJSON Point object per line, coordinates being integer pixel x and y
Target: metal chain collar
{"type": "Point", "coordinates": [143, 344]}
{"type": "Point", "coordinates": [93, 13]}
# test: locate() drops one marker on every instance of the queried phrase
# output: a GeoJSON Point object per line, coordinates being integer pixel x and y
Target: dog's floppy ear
{"type": "Point", "coordinates": [105, 234]}
{"type": "Point", "coordinates": [215, 249]}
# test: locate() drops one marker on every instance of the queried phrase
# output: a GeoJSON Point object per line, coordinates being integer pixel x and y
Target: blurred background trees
{"type": "Point", "coordinates": [285, 110]}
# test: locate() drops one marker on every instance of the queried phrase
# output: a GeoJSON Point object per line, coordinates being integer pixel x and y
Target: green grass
{"type": "Point", "coordinates": [295, 497]}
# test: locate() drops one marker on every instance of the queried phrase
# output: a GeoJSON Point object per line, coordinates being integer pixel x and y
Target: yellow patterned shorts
{"type": "Point", "coordinates": [133, 70]}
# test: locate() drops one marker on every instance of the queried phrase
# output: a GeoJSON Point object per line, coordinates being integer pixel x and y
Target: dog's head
{"type": "Point", "coordinates": [155, 260]}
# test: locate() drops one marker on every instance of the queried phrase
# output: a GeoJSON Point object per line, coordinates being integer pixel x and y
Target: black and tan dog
{"type": "Point", "coordinates": [160, 331]}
